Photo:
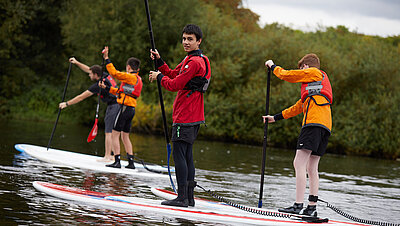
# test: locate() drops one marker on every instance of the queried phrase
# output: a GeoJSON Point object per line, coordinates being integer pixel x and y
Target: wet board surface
{"type": "Point", "coordinates": [88, 162]}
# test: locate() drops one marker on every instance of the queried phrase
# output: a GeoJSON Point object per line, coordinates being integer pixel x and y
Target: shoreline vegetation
{"type": "Point", "coordinates": [38, 37]}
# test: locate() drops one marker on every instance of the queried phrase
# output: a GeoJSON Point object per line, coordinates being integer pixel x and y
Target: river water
{"type": "Point", "coordinates": [366, 188]}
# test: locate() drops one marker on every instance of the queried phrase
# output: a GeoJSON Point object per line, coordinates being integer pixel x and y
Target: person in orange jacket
{"type": "Point", "coordinates": [128, 91]}
{"type": "Point", "coordinates": [315, 104]}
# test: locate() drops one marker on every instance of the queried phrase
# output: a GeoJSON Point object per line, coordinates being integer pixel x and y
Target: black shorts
{"type": "Point", "coordinates": [313, 138]}
{"type": "Point", "coordinates": [185, 133]}
{"type": "Point", "coordinates": [109, 119]}
{"type": "Point", "coordinates": [123, 121]}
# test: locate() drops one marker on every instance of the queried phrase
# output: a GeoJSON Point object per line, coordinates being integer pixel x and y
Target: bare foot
{"type": "Point", "coordinates": [105, 159]}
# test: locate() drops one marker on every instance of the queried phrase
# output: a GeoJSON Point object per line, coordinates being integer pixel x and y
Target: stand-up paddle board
{"type": "Point", "coordinates": [213, 204]}
{"type": "Point", "coordinates": [201, 212]}
{"type": "Point", "coordinates": [84, 161]}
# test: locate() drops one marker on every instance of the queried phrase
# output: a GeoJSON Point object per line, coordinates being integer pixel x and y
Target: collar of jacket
{"type": "Point", "coordinates": [195, 53]}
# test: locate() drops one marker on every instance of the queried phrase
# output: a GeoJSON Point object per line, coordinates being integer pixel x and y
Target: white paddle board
{"type": "Point", "coordinates": [88, 162]}
{"type": "Point", "coordinates": [201, 212]}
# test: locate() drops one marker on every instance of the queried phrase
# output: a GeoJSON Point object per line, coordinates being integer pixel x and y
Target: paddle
{"type": "Point", "coordinates": [153, 47]}
{"type": "Point", "coordinates": [265, 140]}
{"type": "Point", "coordinates": [59, 109]}
{"type": "Point", "coordinates": [93, 132]}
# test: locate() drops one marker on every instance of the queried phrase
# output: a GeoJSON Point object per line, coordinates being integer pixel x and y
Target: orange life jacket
{"type": "Point", "coordinates": [132, 90]}
{"type": "Point", "coordinates": [322, 88]}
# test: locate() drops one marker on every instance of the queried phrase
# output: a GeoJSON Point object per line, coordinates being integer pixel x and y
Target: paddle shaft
{"type": "Point", "coordinates": [265, 140]}
{"type": "Point", "coordinates": [59, 109]}
{"type": "Point", "coordinates": [153, 47]}
{"type": "Point", "coordinates": [94, 128]}
{"type": "Point", "coordinates": [98, 99]}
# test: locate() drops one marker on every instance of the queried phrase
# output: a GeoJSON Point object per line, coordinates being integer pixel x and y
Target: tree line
{"type": "Point", "coordinates": [38, 37]}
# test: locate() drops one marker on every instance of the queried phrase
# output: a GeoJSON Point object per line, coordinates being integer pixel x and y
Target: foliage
{"type": "Point", "coordinates": [30, 46]}
{"type": "Point", "coordinates": [38, 36]}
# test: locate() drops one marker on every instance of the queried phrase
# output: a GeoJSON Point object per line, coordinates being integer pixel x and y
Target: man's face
{"type": "Point", "coordinates": [93, 76]}
{"type": "Point", "coordinates": [190, 43]}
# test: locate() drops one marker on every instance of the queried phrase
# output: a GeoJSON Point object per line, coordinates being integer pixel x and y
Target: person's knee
{"type": "Point", "coordinates": [115, 134]}
{"type": "Point", "coordinates": [312, 170]}
{"type": "Point", "coordinates": [125, 137]}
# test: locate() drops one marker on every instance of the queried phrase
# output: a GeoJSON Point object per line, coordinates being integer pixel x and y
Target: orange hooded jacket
{"type": "Point", "coordinates": [129, 78]}
{"type": "Point", "coordinates": [314, 114]}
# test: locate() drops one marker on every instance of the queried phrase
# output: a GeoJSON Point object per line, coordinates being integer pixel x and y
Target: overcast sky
{"type": "Point", "coordinates": [371, 17]}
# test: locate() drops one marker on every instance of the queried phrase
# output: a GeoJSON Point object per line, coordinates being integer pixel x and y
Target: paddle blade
{"type": "Point", "coordinates": [93, 132]}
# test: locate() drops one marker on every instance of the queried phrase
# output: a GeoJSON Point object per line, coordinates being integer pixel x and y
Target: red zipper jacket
{"type": "Point", "coordinates": [187, 110]}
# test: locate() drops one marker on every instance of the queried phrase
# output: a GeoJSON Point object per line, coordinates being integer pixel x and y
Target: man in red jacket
{"type": "Point", "coordinates": [190, 79]}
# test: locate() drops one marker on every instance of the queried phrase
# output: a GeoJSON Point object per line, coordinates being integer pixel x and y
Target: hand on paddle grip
{"type": "Point", "coordinates": [73, 60]}
{"type": "Point", "coordinates": [105, 52]}
{"type": "Point", "coordinates": [153, 75]}
{"type": "Point", "coordinates": [269, 63]}
{"type": "Point", "coordinates": [269, 118]}
{"type": "Point", "coordinates": [104, 85]}
{"type": "Point", "coordinates": [154, 54]}
{"type": "Point", "coordinates": [62, 105]}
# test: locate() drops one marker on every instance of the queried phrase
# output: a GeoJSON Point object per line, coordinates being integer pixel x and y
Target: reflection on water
{"type": "Point", "coordinates": [364, 187]}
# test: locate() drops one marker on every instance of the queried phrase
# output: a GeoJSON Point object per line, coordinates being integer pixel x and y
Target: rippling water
{"type": "Point", "coordinates": [364, 187]}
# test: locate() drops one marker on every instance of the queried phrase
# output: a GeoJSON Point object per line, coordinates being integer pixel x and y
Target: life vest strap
{"type": "Point", "coordinates": [198, 83]}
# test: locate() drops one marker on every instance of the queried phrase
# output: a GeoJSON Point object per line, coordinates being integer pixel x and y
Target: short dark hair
{"type": "Point", "coordinates": [96, 69]}
{"type": "Point", "coordinates": [310, 59]}
{"type": "Point", "coordinates": [193, 29]}
{"type": "Point", "coordinates": [134, 63]}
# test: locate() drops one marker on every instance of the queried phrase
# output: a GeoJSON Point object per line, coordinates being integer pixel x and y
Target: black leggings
{"type": "Point", "coordinates": [183, 158]}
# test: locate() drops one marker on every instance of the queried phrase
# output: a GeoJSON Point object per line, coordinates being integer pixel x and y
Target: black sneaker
{"type": "Point", "coordinates": [296, 208]}
{"type": "Point", "coordinates": [130, 166]}
{"type": "Point", "coordinates": [114, 165]}
{"type": "Point", "coordinates": [176, 202]}
{"type": "Point", "coordinates": [309, 211]}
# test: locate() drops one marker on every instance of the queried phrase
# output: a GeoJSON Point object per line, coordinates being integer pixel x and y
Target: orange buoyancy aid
{"type": "Point", "coordinates": [322, 88]}
{"type": "Point", "coordinates": [110, 79]}
{"type": "Point", "coordinates": [132, 90]}
{"type": "Point", "coordinates": [105, 96]}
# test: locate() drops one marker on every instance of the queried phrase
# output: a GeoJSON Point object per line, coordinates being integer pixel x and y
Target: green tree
{"type": "Point", "coordinates": [38, 37]}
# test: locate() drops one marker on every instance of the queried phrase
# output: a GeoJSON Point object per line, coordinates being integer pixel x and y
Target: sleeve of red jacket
{"type": "Point", "coordinates": [178, 83]}
{"type": "Point", "coordinates": [171, 73]}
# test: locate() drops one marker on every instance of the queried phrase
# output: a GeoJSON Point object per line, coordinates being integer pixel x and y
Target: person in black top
{"type": "Point", "coordinates": [94, 73]}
